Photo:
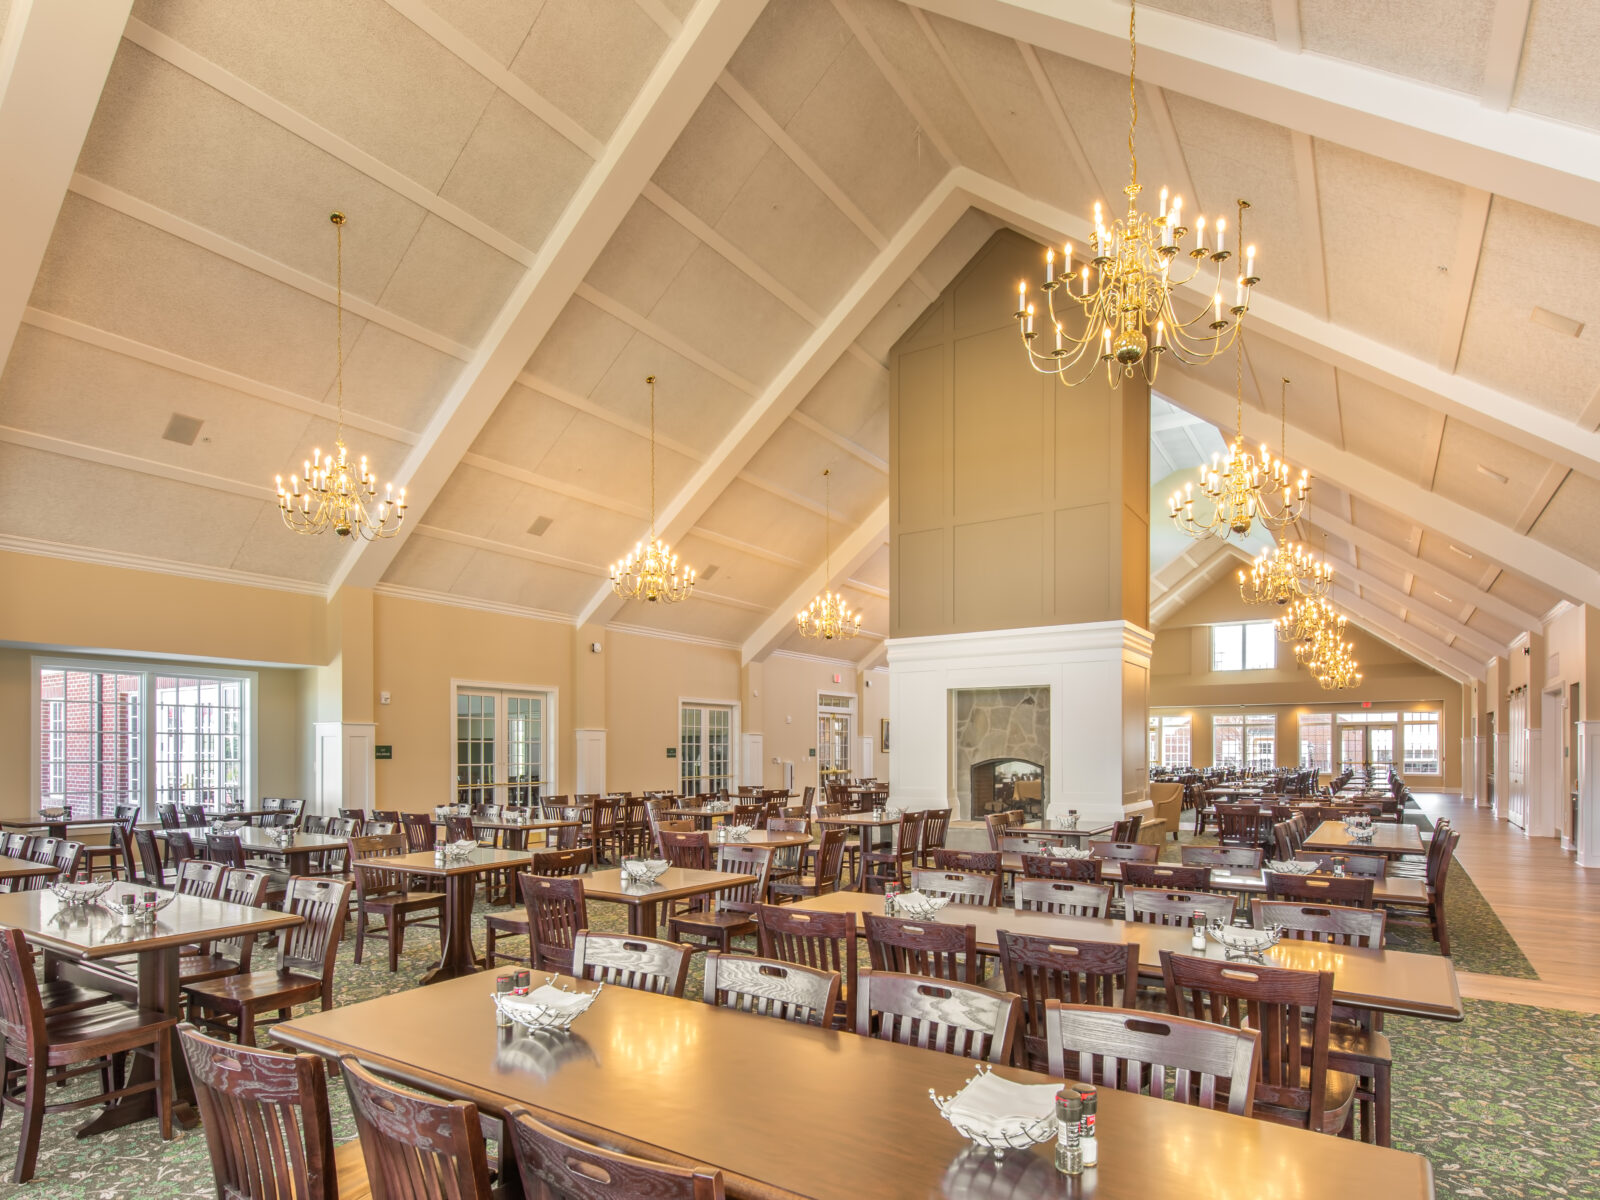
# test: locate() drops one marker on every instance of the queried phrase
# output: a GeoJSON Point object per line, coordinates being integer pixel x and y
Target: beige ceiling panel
{"type": "Point", "coordinates": [786, 224]}
{"type": "Point", "coordinates": [1438, 43]}
{"type": "Point", "coordinates": [742, 576]}
{"type": "Point", "coordinates": [956, 249]}
{"type": "Point", "coordinates": [106, 508]}
{"type": "Point", "coordinates": [1523, 592]}
{"type": "Point", "coordinates": [1385, 428]}
{"type": "Point", "coordinates": [640, 260]}
{"type": "Point", "coordinates": [1387, 229]}
{"type": "Point", "coordinates": [1009, 103]}
{"type": "Point", "coordinates": [391, 377]}
{"type": "Point", "coordinates": [450, 283]}
{"type": "Point", "coordinates": [1391, 527]}
{"type": "Point", "coordinates": [507, 580]}
{"type": "Point", "coordinates": [271, 548]}
{"type": "Point", "coordinates": [1500, 632]}
{"type": "Point", "coordinates": [428, 563]}
{"type": "Point", "coordinates": [1096, 103]}
{"type": "Point", "coordinates": [515, 172]}
{"type": "Point", "coordinates": [1329, 496]}
{"type": "Point", "coordinates": [693, 407]}
{"type": "Point", "coordinates": [1383, 572]}
{"type": "Point", "coordinates": [1247, 16]}
{"type": "Point", "coordinates": [110, 271]}
{"type": "Point", "coordinates": [590, 57]}
{"type": "Point", "coordinates": [1330, 546]}
{"type": "Point", "coordinates": [755, 515]}
{"type": "Point", "coordinates": [892, 27]}
{"type": "Point", "coordinates": [885, 166]}
{"type": "Point", "coordinates": [712, 158]}
{"type": "Point", "coordinates": [1382, 602]}
{"type": "Point", "coordinates": [1557, 76]}
{"type": "Point", "coordinates": [358, 68]}
{"type": "Point", "coordinates": [497, 26]}
{"type": "Point", "coordinates": [1312, 397]}
{"type": "Point", "coordinates": [470, 501]}
{"type": "Point", "coordinates": [893, 319]}
{"type": "Point", "coordinates": [794, 458]}
{"type": "Point", "coordinates": [852, 399]}
{"type": "Point", "coordinates": [1569, 521]}
{"type": "Point", "coordinates": [165, 137]}
{"type": "Point", "coordinates": [1435, 549]}
{"type": "Point", "coordinates": [579, 531]}
{"type": "Point", "coordinates": [875, 571]}
{"type": "Point", "coordinates": [1464, 449]}
{"type": "Point", "coordinates": [787, 53]}
{"type": "Point", "coordinates": [696, 617]}
{"type": "Point", "coordinates": [580, 347]}
{"type": "Point", "coordinates": [523, 427]}
{"type": "Point", "coordinates": [593, 454]}
{"type": "Point", "coordinates": [729, 317]}
{"type": "Point", "coordinates": [1532, 259]}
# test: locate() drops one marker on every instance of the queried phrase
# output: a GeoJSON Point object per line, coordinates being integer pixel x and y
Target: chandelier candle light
{"type": "Point", "coordinates": [336, 493]}
{"type": "Point", "coordinates": [1124, 293]}
{"type": "Point", "coordinates": [828, 617]}
{"type": "Point", "coordinates": [651, 572]}
{"type": "Point", "coordinates": [1283, 575]}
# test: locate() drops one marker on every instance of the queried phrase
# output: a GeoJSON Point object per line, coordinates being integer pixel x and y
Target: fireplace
{"type": "Point", "coordinates": [1005, 783]}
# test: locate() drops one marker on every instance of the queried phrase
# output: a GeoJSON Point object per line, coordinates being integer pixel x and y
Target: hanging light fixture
{"type": "Point", "coordinates": [1335, 667]}
{"type": "Point", "coordinates": [1283, 575]}
{"type": "Point", "coordinates": [651, 572]}
{"type": "Point", "coordinates": [1242, 489]}
{"type": "Point", "coordinates": [336, 494]}
{"type": "Point", "coordinates": [1305, 617]}
{"type": "Point", "coordinates": [1125, 293]}
{"type": "Point", "coordinates": [828, 617]}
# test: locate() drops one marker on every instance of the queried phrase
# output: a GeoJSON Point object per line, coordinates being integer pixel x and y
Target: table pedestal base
{"type": "Point", "coordinates": [159, 992]}
{"type": "Point", "coordinates": [460, 955]}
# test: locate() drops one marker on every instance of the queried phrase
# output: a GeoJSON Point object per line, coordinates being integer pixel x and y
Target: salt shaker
{"type": "Point", "coordinates": [1197, 927]}
{"type": "Point", "coordinates": [1090, 1144]}
{"type": "Point", "coordinates": [502, 988]}
{"type": "Point", "coordinates": [1069, 1144]}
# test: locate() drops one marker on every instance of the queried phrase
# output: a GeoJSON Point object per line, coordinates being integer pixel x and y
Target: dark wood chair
{"type": "Point", "coordinates": [1343, 926]}
{"type": "Point", "coordinates": [1292, 1011]}
{"type": "Point", "coordinates": [1125, 852]}
{"type": "Point", "coordinates": [935, 828]}
{"type": "Point", "coordinates": [728, 914]}
{"type": "Point", "coordinates": [229, 956]}
{"type": "Point", "coordinates": [1441, 853]}
{"type": "Point", "coordinates": [1127, 829]}
{"type": "Point", "coordinates": [266, 1122]}
{"type": "Point", "coordinates": [986, 861]}
{"type": "Point", "coordinates": [197, 877]}
{"type": "Point", "coordinates": [180, 846]}
{"type": "Point", "coordinates": [1221, 858]}
{"type": "Point", "coordinates": [515, 923]}
{"type": "Point", "coordinates": [353, 814]}
{"type": "Point", "coordinates": [42, 1049]}
{"type": "Point", "coordinates": [1349, 890]}
{"type": "Point", "coordinates": [823, 941]}
{"type": "Point", "coordinates": [1048, 866]}
{"type": "Point", "coordinates": [827, 868]}
{"type": "Point", "coordinates": [416, 1147]}
{"type": "Point", "coordinates": [1040, 969]}
{"type": "Point", "coordinates": [389, 815]}
{"type": "Point", "coordinates": [556, 1165]}
{"type": "Point", "coordinates": [1242, 825]}
{"type": "Point", "coordinates": [959, 887]}
{"type": "Point", "coordinates": [1166, 875]}
{"type": "Point", "coordinates": [1192, 1062]}
{"type": "Point", "coordinates": [963, 1019]}
{"type": "Point", "coordinates": [645, 964]}
{"type": "Point", "coordinates": [690, 850]}
{"type": "Point", "coordinates": [1162, 906]}
{"type": "Point", "coordinates": [386, 892]}
{"type": "Point", "coordinates": [1065, 897]}
{"type": "Point", "coordinates": [891, 864]}
{"type": "Point", "coordinates": [306, 956]}
{"type": "Point", "coordinates": [556, 913]}
{"type": "Point", "coordinates": [419, 830]}
{"type": "Point", "coordinates": [148, 857]}
{"type": "Point", "coordinates": [932, 948]}
{"type": "Point", "coordinates": [772, 988]}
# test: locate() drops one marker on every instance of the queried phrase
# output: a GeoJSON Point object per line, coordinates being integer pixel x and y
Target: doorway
{"type": "Point", "coordinates": [504, 746]}
{"type": "Point", "coordinates": [705, 748]}
{"type": "Point", "coordinates": [835, 725]}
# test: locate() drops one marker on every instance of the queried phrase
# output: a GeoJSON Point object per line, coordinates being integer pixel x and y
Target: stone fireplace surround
{"type": "Point", "coordinates": [997, 724]}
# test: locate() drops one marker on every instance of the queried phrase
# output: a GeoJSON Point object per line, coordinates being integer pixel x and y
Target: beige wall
{"type": "Point", "coordinates": [1014, 501]}
{"type": "Point", "coordinates": [646, 677]}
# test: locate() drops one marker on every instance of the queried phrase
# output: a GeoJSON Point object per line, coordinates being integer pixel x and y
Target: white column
{"type": "Point", "coordinates": [591, 747]}
{"type": "Point", "coordinates": [1588, 832]}
{"type": "Point", "coordinates": [1538, 811]}
{"type": "Point", "coordinates": [345, 775]}
{"type": "Point", "coordinates": [752, 755]}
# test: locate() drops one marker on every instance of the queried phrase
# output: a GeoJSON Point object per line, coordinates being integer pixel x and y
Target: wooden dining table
{"type": "Point", "coordinates": [1390, 981]}
{"type": "Point", "coordinates": [73, 936]}
{"type": "Point", "coordinates": [458, 879]}
{"type": "Point", "coordinates": [57, 827]}
{"type": "Point", "coordinates": [24, 868]}
{"type": "Point", "coordinates": [1390, 839]}
{"type": "Point", "coordinates": [643, 899]}
{"type": "Point", "coordinates": [853, 1116]}
{"type": "Point", "coordinates": [1056, 829]}
{"type": "Point", "coordinates": [1398, 889]}
{"type": "Point", "coordinates": [296, 851]}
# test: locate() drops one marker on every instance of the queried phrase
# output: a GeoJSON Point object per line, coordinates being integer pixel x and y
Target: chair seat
{"type": "Point", "coordinates": [350, 1168]}
{"type": "Point", "coordinates": [508, 923]}
{"type": "Point", "coordinates": [1339, 1096]}
{"type": "Point", "coordinates": [404, 902]}
{"type": "Point", "coordinates": [715, 924]}
{"type": "Point", "coordinates": [63, 996]}
{"type": "Point", "coordinates": [800, 885]}
{"type": "Point", "coordinates": [269, 988]}
{"type": "Point", "coordinates": [197, 968]}
{"type": "Point", "coordinates": [103, 1029]}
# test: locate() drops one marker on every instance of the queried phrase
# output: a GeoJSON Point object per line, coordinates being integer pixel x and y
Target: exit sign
{"type": "Point", "coordinates": [672, 752]}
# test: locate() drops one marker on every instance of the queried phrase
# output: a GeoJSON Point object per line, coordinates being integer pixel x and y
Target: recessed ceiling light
{"type": "Point", "coordinates": [1442, 596]}
{"type": "Point", "coordinates": [182, 429]}
{"type": "Point", "coordinates": [1491, 473]}
{"type": "Point", "coordinates": [1557, 322]}
{"type": "Point", "coordinates": [1460, 551]}
{"type": "Point", "coordinates": [539, 526]}
{"type": "Point", "coordinates": [711, 569]}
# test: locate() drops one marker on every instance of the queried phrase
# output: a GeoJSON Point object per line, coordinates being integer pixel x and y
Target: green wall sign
{"type": "Point", "coordinates": [383, 751]}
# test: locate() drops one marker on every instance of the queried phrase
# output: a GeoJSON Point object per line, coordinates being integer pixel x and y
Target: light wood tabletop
{"type": "Point", "coordinates": [1391, 888]}
{"type": "Point", "coordinates": [459, 879]}
{"type": "Point", "coordinates": [675, 883]}
{"type": "Point", "coordinates": [23, 868]}
{"type": "Point", "coordinates": [1390, 839]}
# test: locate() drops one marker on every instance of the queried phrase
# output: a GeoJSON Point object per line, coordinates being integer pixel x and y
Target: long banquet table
{"type": "Point", "coordinates": [792, 1111]}
{"type": "Point", "coordinates": [1393, 840]}
{"type": "Point", "coordinates": [1391, 889]}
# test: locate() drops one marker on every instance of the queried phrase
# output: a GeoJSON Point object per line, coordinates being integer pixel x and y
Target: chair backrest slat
{"type": "Point", "coordinates": [556, 912]}
{"type": "Point", "coordinates": [554, 1164]}
{"type": "Point", "coordinates": [1038, 969]}
{"type": "Point", "coordinates": [1070, 898]}
{"type": "Point", "coordinates": [645, 964]}
{"type": "Point", "coordinates": [931, 948]}
{"type": "Point", "coordinates": [963, 1019]}
{"type": "Point", "coordinates": [416, 1147]}
{"type": "Point", "coordinates": [1161, 906]}
{"type": "Point", "coordinates": [771, 988]}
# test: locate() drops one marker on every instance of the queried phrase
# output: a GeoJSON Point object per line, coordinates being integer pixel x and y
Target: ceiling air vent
{"type": "Point", "coordinates": [182, 429]}
{"type": "Point", "coordinates": [1555, 321]}
{"type": "Point", "coordinates": [711, 569]}
{"type": "Point", "coordinates": [539, 526]}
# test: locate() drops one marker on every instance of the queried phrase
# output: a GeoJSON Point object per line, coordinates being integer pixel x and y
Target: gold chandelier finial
{"type": "Point", "coordinates": [828, 617]}
{"type": "Point", "coordinates": [651, 572]}
{"type": "Point", "coordinates": [336, 491]}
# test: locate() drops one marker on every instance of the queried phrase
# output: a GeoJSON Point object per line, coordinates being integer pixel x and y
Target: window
{"type": "Point", "coordinates": [705, 748]}
{"type": "Point", "coordinates": [503, 746]}
{"type": "Point", "coordinates": [1261, 741]}
{"type": "Point", "coordinates": [1227, 741]}
{"type": "Point", "coordinates": [199, 740]}
{"type": "Point", "coordinates": [1316, 741]}
{"type": "Point", "coordinates": [1174, 748]}
{"type": "Point", "coordinates": [1155, 741]}
{"type": "Point", "coordinates": [1251, 646]}
{"type": "Point", "coordinates": [1421, 744]}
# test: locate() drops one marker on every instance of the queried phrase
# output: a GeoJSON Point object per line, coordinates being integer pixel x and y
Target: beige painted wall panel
{"type": "Point", "coordinates": [793, 685]}
{"type": "Point", "coordinates": [1000, 439]}
{"type": "Point", "coordinates": [1082, 543]}
{"type": "Point", "coordinates": [917, 599]}
{"type": "Point", "coordinates": [1082, 439]}
{"type": "Point", "coordinates": [997, 573]}
{"type": "Point", "coordinates": [646, 677]}
{"type": "Point", "coordinates": [919, 442]}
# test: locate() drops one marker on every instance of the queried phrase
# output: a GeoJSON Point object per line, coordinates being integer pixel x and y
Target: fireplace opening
{"type": "Point", "coordinates": [999, 784]}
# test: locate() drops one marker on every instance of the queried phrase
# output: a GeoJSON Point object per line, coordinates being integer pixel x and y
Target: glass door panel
{"type": "Point", "coordinates": [1352, 747]}
{"type": "Point", "coordinates": [833, 747]}
{"type": "Point", "coordinates": [475, 747]}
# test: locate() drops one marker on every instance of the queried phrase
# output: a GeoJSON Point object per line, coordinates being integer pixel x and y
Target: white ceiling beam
{"type": "Point", "coordinates": [925, 123]}
{"type": "Point", "coordinates": [834, 438]}
{"type": "Point", "coordinates": [1480, 643]}
{"type": "Point", "coordinates": [1202, 573]}
{"type": "Point", "coordinates": [892, 267]}
{"type": "Point", "coordinates": [740, 547]}
{"type": "Point", "coordinates": [858, 546]}
{"type": "Point", "coordinates": [54, 60]}
{"type": "Point", "coordinates": [1549, 483]}
{"type": "Point", "coordinates": [1545, 163]}
{"type": "Point", "coordinates": [686, 72]}
{"type": "Point", "coordinates": [877, 656]}
{"type": "Point", "coordinates": [1508, 30]}
{"type": "Point", "coordinates": [1418, 643]}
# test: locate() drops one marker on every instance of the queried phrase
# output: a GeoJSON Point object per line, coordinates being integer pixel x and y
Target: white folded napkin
{"type": "Point", "coordinates": [989, 1102]}
{"type": "Point", "coordinates": [547, 999]}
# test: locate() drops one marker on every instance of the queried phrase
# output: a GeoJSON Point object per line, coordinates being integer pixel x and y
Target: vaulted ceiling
{"type": "Point", "coordinates": [550, 199]}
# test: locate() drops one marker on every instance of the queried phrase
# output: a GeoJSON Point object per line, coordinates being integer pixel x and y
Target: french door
{"type": "Point", "coordinates": [705, 748]}
{"type": "Point", "coordinates": [833, 747]}
{"type": "Point", "coordinates": [502, 745]}
{"type": "Point", "coordinates": [1367, 745]}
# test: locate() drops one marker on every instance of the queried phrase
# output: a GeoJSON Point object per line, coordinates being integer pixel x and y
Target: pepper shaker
{"type": "Point", "coordinates": [1088, 1142]}
{"type": "Point", "coordinates": [502, 988]}
{"type": "Point", "coordinates": [1069, 1147]}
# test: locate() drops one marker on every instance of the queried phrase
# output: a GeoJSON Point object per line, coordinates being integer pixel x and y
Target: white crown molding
{"type": "Point", "coordinates": [1034, 641]}
{"type": "Point", "coordinates": [425, 596]}
{"type": "Point", "coordinates": [159, 566]}
{"type": "Point", "coordinates": [668, 635]}
{"type": "Point", "coordinates": [846, 663]}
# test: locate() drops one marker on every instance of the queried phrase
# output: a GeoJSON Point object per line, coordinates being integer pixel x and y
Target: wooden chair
{"type": "Point", "coordinates": [689, 850]}
{"type": "Point", "coordinates": [995, 825]}
{"type": "Point", "coordinates": [1441, 853]}
{"type": "Point", "coordinates": [69, 859]}
{"type": "Point", "coordinates": [728, 914]}
{"type": "Point", "coordinates": [826, 874]}
{"type": "Point", "coordinates": [353, 814]}
{"type": "Point", "coordinates": [419, 831]}
{"type": "Point", "coordinates": [985, 861]}
{"type": "Point", "coordinates": [960, 887]}
{"type": "Point", "coordinates": [1040, 970]}
{"type": "Point", "coordinates": [892, 864]}
{"type": "Point", "coordinates": [1342, 926]}
{"type": "Point", "coordinates": [390, 816]}
{"type": "Point", "coordinates": [198, 877]}
{"type": "Point", "coordinates": [556, 912]}
{"type": "Point", "coordinates": [1165, 875]}
{"type": "Point", "coordinates": [550, 863]}
{"type": "Point", "coordinates": [1016, 843]}
{"type": "Point", "coordinates": [306, 957]}
{"type": "Point", "coordinates": [1125, 851]}
{"type": "Point", "coordinates": [1127, 829]}
{"type": "Point", "coordinates": [1365, 866]}
{"type": "Point", "coordinates": [1159, 906]}
{"type": "Point", "coordinates": [1239, 858]}
{"type": "Point", "coordinates": [823, 941]}
{"type": "Point", "coordinates": [41, 1050]}
{"type": "Point", "coordinates": [553, 1164]}
{"type": "Point", "coordinates": [230, 956]}
{"type": "Point", "coordinates": [1048, 866]}
{"type": "Point", "coordinates": [416, 1147]}
{"type": "Point", "coordinates": [1349, 890]}
{"type": "Point", "coordinates": [1213, 1066]}
{"type": "Point", "coordinates": [606, 827]}
{"type": "Point", "coordinates": [935, 828]}
{"type": "Point", "coordinates": [148, 851]}
{"type": "Point", "coordinates": [266, 1122]}
{"type": "Point", "coordinates": [1242, 824]}
{"type": "Point", "coordinates": [1292, 1011]}
{"type": "Point", "coordinates": [1282, 838]}
{"type": "Point", "coordinates": [963, 1019]}
{"type": "Point", "coordinates": [929, 948]}
{"type": "Point", "coordinates": [646, 964]}
{"type": "Point", "coordinates": [386, 892]}
{"type": "Point", "coordinates": [771, 988]}
{"type": "Point", "coordinates": [1070, 898]}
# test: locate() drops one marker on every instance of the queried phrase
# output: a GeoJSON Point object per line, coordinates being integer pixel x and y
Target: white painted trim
{"type": "Point", "coordinates": [802, 656]}
{"type": "Point", "coordinates": [552, 730]}
{"type": "Point", "coordinates": [425, 596]}
{"type": "Point", "coordinates": [46, 444]}
{"type": "Point", "coordinates": [735, 737]}
{"type": "Point", "coordinates": [668, 635]}
{"type": "Point", "coordinates": [159, 566]}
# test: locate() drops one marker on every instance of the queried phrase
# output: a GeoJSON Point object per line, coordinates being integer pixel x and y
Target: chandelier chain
{"type": "Point", "coordinates": [1133, 95]}
{"type": "Point", "coordinates": [338, 291]}
{"type": "Point", "coordinates": [652, 572]}
{"type": "Point", "coordinates": [651, 380]}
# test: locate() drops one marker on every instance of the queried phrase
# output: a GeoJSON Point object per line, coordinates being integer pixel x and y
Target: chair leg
{"type": "Point", "coordinates": [488, 947]}
{"type": "Point", "coordinates": [397, 929]}
{"type": "Point", "coordinates": [32, 1120]}
{"type": "Point", "coordinates": [1381, 1110]}
{"type": "Point", "coordinates": [361, 932]}
{"type": "Point", "coordinates": [247, 1028]}
{"type": "Point", "coordinates": [1441, 931]}
{"type": "Point", "coordinates": [163, 1051]}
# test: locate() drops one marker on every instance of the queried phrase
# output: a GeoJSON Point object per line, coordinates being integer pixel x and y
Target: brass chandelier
{"type": "Point", "coordinates": [1335, 667]}
{"type": "Point", "coordinates": [1322, 649]}
{"type": "Point", "coordinates": [337, 494]}
{"type": "Point", "coordinates": [651, 572]}
{"type": "Point", "coordinates": [1242, 489]}
{"type": "Point", "coordinates": [1284, 574]}
{"type": "Point", "coordinates": [828, 617]}
{"type": "Point", "coordinates": [1305, 617]}
{"type": "Point", "coordinates": [1125, 293]}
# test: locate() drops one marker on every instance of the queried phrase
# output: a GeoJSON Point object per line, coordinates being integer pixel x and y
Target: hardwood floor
{"type": "Point", "coordinates": [1547, 902]}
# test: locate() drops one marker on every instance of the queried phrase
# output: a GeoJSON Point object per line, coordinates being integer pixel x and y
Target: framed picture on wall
{"type": "Point", "coordinates": [883, 735]}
